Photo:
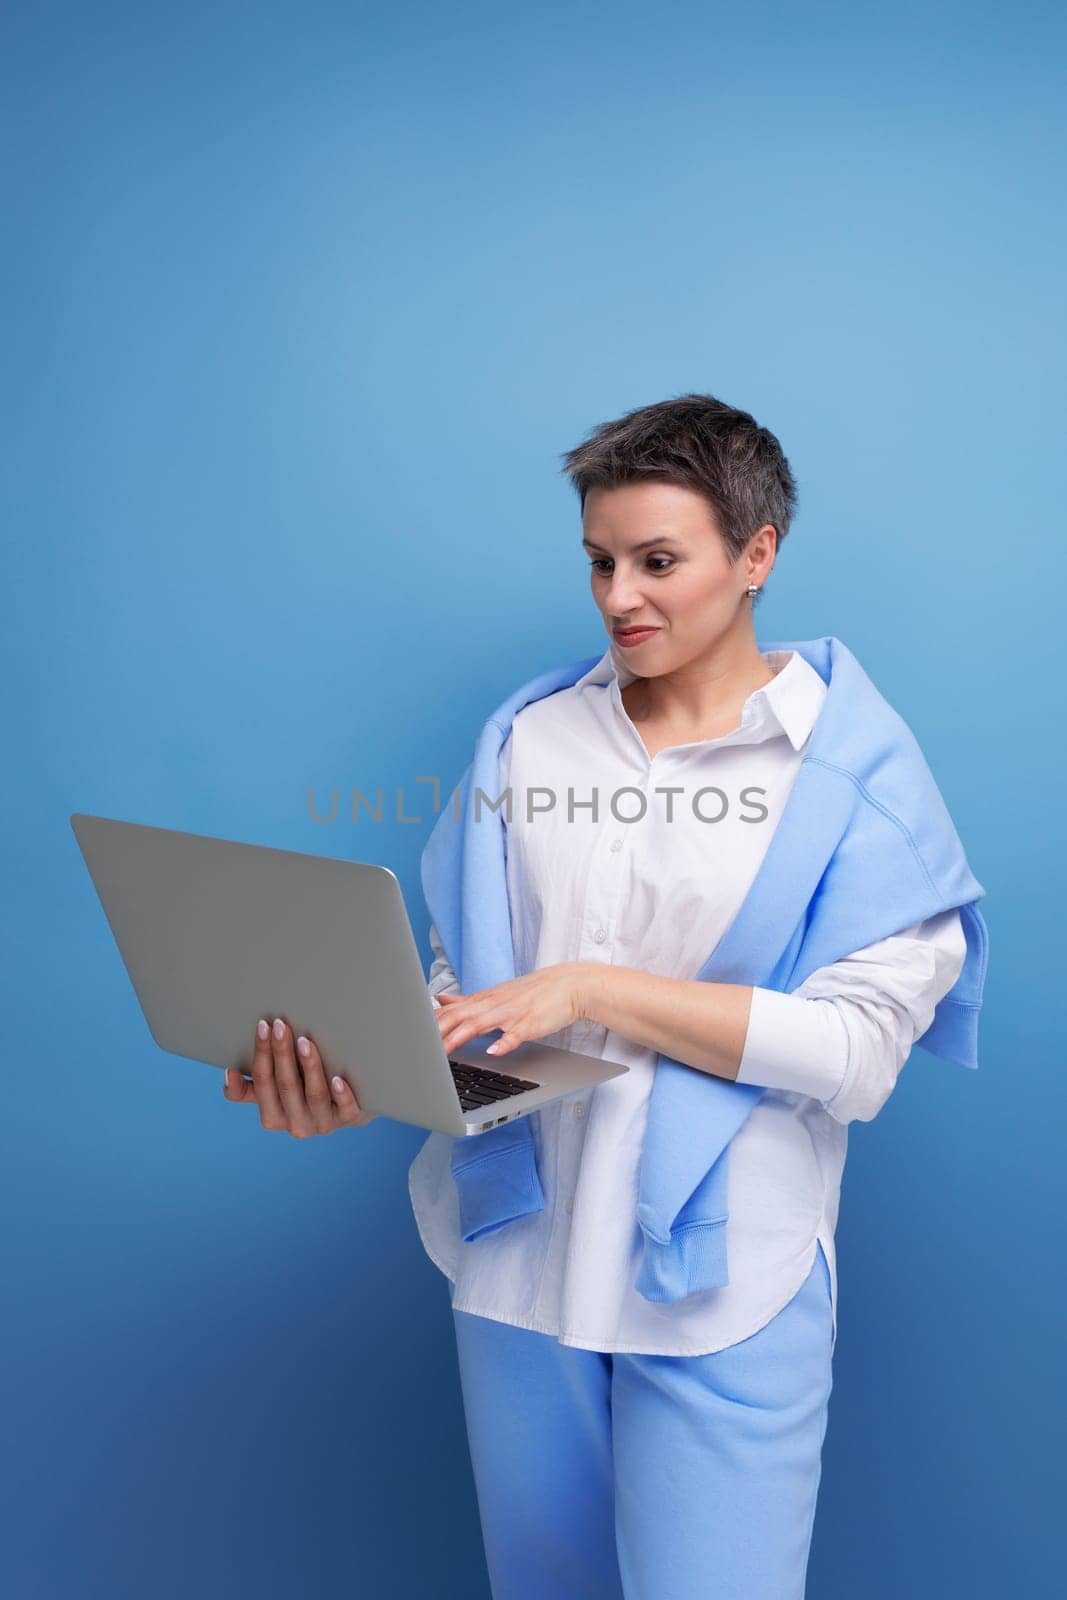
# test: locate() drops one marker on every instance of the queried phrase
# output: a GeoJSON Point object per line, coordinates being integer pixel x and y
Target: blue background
{"type": "Point", "coordinates": [302, 306]}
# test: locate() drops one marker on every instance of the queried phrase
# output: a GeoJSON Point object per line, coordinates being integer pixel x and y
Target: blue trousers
{"type": "Point", "coordinates": [602, 1476]}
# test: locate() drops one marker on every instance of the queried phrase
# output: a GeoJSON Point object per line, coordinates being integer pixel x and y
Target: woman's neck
{"type": "Point", "coordinates": [696, 703]}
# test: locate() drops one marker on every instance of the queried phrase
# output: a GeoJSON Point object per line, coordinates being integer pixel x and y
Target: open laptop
{"type": "Point", "coordinates": [216, 934]}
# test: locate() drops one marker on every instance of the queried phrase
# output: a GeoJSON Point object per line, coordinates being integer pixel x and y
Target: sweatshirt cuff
{"type": "Point", "coordinates": [794, 1043]}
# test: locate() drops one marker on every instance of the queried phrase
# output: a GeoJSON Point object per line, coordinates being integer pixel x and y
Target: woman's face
{"type": "Point", "coordinates": [658, 560]}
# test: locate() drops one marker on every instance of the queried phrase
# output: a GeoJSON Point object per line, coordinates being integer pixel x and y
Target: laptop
{"type": "Point", "coordinates": [215, 934]}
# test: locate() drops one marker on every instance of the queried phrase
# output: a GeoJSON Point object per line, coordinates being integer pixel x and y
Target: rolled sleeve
{"type": "Point", "coordinates": [796, 1044]}
{"type": "Point", "coordinates": [844, 1034]}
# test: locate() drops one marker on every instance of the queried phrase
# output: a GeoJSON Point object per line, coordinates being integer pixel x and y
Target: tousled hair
{"type": "Point", "coordinates": [702, 444]}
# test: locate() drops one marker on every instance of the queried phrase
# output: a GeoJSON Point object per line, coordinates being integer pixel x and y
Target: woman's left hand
{"type": "Point", "coordinates": [530, 1007]}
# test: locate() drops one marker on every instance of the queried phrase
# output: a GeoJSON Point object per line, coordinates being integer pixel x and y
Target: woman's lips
{"type": "Point", "coordinates": [629, 636]}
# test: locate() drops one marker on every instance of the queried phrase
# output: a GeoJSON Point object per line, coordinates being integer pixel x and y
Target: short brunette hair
{"type": "Point", "coordinates": [703, 444]}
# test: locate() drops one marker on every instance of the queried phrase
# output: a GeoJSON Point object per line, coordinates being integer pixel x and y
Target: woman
{"type": "Point", "coordinates": [646, 1368]}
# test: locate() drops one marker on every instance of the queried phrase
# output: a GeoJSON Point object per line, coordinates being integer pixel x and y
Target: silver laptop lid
{"type": "Point", "coordinates": [216, 933]}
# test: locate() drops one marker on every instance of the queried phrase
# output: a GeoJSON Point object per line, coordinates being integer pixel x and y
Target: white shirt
{"type": "Point", "coordinates": [657, 894]}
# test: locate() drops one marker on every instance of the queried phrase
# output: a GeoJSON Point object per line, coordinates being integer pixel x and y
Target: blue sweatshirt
{"type": "Point", "coordinates": [864, 847]}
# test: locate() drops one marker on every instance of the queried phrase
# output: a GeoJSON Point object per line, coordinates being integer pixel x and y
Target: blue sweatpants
{"type": "Point", "coordinates": [602, 1476]}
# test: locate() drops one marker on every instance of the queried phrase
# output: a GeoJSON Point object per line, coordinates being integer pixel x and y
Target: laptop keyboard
{"type": "Point", "coordinates": [476, 1086]}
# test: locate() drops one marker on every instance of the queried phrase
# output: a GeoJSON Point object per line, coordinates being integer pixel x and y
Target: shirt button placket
{"type": "Point", "coordinates": [609, 890]}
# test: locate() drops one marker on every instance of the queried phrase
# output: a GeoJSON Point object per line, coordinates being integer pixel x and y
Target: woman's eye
{"type": "Point", "coordinates": [599, 562]}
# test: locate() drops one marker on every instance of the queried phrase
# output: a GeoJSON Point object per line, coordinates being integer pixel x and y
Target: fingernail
{"type": "Point", "coordinates": [303, 1046]}
{"type": "Point", "coordinates": [226, 1076]}
{"type": "Point", "coordinates": [338, 1086]}
{"type": "Point", "coordinates": [279, 1028]}
{"type": "Point", "coordinates": [262, 1029]}
{"type": "Point", "coordinates": [491, 1051]}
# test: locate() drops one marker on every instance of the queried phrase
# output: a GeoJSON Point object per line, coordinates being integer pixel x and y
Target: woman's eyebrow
{"type": "Point", "coordinates": [646, 544]}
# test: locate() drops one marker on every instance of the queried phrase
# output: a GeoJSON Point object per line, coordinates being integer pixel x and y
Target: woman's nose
{"type": "Point", "coordinates": [623, 596]}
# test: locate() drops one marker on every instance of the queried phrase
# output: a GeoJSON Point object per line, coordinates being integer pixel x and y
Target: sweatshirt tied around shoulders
{"type": "Point", "coordinates": [865, 846]}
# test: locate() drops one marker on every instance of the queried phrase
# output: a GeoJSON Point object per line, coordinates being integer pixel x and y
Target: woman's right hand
{"type": "Point", "coordinates": [293, 1093]}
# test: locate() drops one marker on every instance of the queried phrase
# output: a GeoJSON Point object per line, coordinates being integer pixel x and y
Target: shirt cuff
{"type": "Point", "coordinates": [794, 1043]}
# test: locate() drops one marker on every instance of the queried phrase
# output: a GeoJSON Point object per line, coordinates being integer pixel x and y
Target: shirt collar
{"type": "Point", "coordinates": [788, 704]}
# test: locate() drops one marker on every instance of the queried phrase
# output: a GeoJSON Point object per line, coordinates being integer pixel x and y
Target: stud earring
{"type": "Point", "coordinates": [753, 591]}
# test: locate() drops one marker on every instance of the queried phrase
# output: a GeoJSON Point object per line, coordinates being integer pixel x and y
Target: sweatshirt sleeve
{"type": "Point", "coordinates": [503, 780]}
{"type": "Point", "coordinates": [442, 978]}
{"type": "Point", "coordinates": [845, 1033]}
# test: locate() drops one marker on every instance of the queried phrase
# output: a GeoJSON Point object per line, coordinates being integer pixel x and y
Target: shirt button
{"type": "Point", "coordinates": [616, 844]}
{"type": "Point", "coordinates": [600, 935]}
{"type": "Point", "coordinates": [579, 1109]}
